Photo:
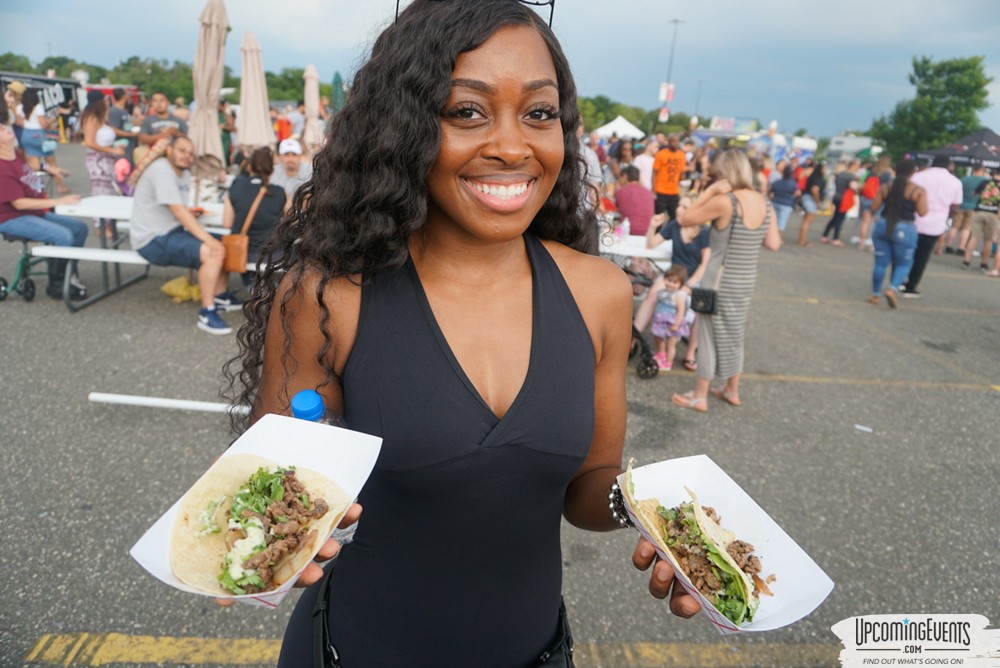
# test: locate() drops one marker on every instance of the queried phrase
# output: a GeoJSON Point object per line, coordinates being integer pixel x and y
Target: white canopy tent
{"type": "Point", "coordinates": [621, 127]}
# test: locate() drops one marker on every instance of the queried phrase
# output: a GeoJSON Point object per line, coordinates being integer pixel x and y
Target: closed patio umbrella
{"type": "Point", "coordinates": [312, 135]}
{"type": "Point", "coordinates": [207, 74]}
{"type": "Point", "coordinates": [255, 129]}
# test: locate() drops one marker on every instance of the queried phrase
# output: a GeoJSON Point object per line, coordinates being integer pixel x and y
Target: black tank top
{"type": "Point", "coordinates": [457, 561]}
{"type": "Point", "coordinates": [908, 211]}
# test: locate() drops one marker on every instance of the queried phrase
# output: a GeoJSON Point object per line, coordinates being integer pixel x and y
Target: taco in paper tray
{"type": "Point", "coordinates": [722, 568]}
{"type": "Point", "coordinates": [249, 525]}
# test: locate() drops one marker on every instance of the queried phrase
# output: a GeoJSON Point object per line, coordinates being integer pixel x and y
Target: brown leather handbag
{"type": "Point", "coordinates": [238, 243]}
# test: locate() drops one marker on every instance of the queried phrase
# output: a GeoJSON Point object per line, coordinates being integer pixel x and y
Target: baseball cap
{"type": "Point", "coordinates": [289, 146]}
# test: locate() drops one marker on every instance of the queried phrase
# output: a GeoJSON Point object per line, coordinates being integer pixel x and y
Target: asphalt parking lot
{"type": "Point", "coordinates": [869, 435]}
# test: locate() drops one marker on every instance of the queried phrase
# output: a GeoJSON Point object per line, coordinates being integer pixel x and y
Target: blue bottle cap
{"type": "Point", "coordinates": [308, 405]}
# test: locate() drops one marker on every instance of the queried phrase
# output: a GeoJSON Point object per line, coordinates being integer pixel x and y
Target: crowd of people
{"type": "Point", "coordinates": [656, 187]}
{"type": "Point", "coordinates": [143, 151]}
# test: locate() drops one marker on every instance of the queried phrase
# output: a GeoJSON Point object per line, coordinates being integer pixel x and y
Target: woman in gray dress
{"type": "Point", "coordinates": [742, 221]}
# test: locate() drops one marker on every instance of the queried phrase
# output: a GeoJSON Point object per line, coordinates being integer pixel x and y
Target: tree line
{"type": "Point", "coordinates": [949, 96]}
{"type": "Point", "coordinates": [174, 79]}
{"type": "Point", "coordinates": [152, 74]}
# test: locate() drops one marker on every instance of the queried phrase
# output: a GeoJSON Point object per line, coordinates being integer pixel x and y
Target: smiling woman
{"type": "Point", "coordinates": [434, 287]}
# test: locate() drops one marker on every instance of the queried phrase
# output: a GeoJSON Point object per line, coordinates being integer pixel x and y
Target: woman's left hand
{"type": "Point", "coordinates": [313, 572]}
{"type": "Point", "coordinates": [661, 580]}
{"type": "Point", "coordinates": [720, 187]}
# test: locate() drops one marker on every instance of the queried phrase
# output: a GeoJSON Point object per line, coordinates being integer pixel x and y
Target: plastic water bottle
{"type": "Point", "coordinates": [309, 405]}
{"type": "Point", "coordinates": [626, 228]}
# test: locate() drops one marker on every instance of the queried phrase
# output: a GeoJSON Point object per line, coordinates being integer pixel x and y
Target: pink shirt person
{"type": "Point", "coordinates": [943, 190]}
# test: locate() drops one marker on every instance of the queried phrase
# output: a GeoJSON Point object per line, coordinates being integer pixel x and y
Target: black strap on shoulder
{"type": "Point", "coordinates": [324, 653]}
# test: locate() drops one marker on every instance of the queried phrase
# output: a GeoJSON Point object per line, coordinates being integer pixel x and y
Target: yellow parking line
{"type": "Point", "coordinates": [83, 649]}
{"type": "Point", "coordinates": [870, 382]}
{"type": "Point", "coordinates": [878, 382]}
{"type": "Point", "coordinates": [911, 349]}
{"type": "Point", "coordinates": [100, 649]}
{"type": "Point", "coordinates": [670, 655]}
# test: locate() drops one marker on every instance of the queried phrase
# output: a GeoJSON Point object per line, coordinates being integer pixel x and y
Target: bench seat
{"type": "Point", "coordinates": [109, 255]}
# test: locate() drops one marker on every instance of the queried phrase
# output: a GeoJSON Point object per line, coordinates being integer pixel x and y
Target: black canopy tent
{"type": "Point", "coordinates": [979, 148]}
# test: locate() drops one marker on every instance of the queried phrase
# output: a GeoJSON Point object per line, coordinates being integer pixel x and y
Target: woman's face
{"type": "Point", "coordinates": [501, 138]}
{"type": "Point", "coordinates": [626, 151]}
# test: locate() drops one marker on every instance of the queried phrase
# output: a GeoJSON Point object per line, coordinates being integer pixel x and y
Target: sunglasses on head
{"type": "Point", "coordinates": [551, 4]}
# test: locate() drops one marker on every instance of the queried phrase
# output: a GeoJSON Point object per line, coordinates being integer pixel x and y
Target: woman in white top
{"type": "Point", "coordinates": [99, 138]}
{"type": "Point", "coordinates": [33, 138]}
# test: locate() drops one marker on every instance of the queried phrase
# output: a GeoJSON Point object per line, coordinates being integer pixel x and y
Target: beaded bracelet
{"type": "Point", "coordinates": [617, 507]}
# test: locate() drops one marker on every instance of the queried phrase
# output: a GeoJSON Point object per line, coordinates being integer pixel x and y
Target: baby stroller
{"type": "Point", "coordinates": [645, 367]}
{"type": "Point", "coordinates": [22, 283]}
{"type": "Point", "coordinates": [641, 273]}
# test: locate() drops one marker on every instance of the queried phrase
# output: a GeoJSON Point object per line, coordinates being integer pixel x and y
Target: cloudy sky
{"type": "Point", "coordinates": [824, 66]}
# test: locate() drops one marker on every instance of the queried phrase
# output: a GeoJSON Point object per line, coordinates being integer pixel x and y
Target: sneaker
{"type": "Point", "coordinates": [855, 240]}
{"type": "Point", "coordinates": [965, 265]}
{"type": "Point", "coordinates": [227, 301]}
{"type": "Point", "coordinates": [209, 321]}
{"type": "Point", "coordinates": [77, 286]}
{"type": "Point", "coordinates": [984, 267]}
{"type": "Point", "coordinates": [948, 250]}
{"type": "Point", "coordinates": [911, 294]}
{"type": "Point", "coordinates": [76, 292]}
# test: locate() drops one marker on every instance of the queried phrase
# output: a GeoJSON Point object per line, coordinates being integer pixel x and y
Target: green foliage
{"type": "Point", "coordinates": [287, 84]}
{"type": "Point", "coordinates": [151, 75]}
{"type": "Point", "coordinates": [950, 95]}
{"type": "Point", "coordinates": [12, 62]}
{"type": "Point", "coordinates": [64, 68]}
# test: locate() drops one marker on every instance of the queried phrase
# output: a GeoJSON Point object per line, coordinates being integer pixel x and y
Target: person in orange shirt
{"type": "Point", "coordinates": [668, 168]}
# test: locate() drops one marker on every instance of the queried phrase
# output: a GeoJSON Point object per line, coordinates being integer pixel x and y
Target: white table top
{"type": "Point", "coordinates": [635, 246]}
{"type": "Point", "coordinates": [111, 207]}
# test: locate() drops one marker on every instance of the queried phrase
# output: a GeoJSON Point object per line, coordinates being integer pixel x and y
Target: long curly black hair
{"type": "Point", "coordinates": [368, 191]}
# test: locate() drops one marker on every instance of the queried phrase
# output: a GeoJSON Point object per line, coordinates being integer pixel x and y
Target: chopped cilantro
{"type": "Point", "coordinates": [263, 489]}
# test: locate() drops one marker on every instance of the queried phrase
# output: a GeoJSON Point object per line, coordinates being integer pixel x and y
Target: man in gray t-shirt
{"type": "Point", "coordinates": [160, 123]}
{"type": "Point", "coordinates": [165, 232]}
{"type": "Point", "coordinates": [162, 184]}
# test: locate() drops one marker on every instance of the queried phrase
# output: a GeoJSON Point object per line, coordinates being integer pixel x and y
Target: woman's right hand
{"type": "Point", "coordinates": [313, 572]}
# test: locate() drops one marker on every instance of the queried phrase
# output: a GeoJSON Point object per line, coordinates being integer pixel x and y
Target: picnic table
{"type": "Point", "coordinates": [113, 214]}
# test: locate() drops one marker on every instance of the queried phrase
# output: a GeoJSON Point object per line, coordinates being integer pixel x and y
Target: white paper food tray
{"type": "Point", "coordinates": [346, 457]}
{"type": "Point", "coordinates": [800, 584]}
